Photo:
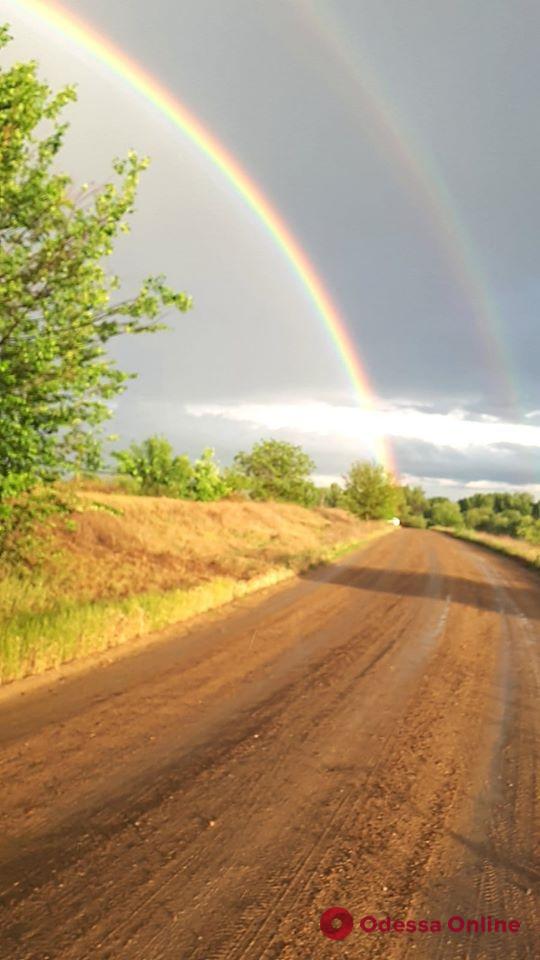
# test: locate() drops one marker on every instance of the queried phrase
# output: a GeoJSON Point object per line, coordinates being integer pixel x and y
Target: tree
{"type": "Point", "coordinates": [520, 502]}
{"type": "Point", "coordinates": [155, 468]}
{"type": "Point", "coordinates": [413, 507]}
{"type": "Point", "coordinates": [59, 308]}
{"type": "Point", "coordinates": [207, 482]}
{"type": "Point", "coordinates": [415, 500]}
{"type": "Point", "coordinates": [159, 472]}
{"type": "Point", "coordinates": [529, 530]}
{"type": "Point", "coordinates": [478, 518]}
{"type": "Point", "coordinates": [370, 491]}
{"type": "Point", "coordinates": [333, 496]}
{"type": "Point", "coordinates": [477, 500]}
{"type": "Point", "coordinates": [445, 513]}
{"type": "Point", "coordinates": [506, 522]}
{"type": "Point", "coordinates": [277, 470]}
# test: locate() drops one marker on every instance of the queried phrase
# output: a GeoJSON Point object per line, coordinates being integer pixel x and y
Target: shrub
{"type": "Point", "coordinates": [370, 492]}
{"type": "Point", "coordinates": [445, 513]}
{"type": "Point", "coordinates": [276, 470]}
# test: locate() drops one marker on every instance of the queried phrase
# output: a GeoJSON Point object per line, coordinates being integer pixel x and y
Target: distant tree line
{"type": "Point", "coordinates": [280, 471]}
{"type": "Point", "coordinates": [271, 470]}
{"type": "Point", "coordinates": [510, 514]}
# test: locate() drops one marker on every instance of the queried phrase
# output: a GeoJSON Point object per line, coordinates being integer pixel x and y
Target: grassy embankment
{"type": "Point", "coordinates": [528, 553]}
{"type": "Point", "coordinates": [137, 564]}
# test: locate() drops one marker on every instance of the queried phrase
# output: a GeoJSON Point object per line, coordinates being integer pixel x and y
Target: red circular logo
{"type": "Point", "coordinates": [336, 923]}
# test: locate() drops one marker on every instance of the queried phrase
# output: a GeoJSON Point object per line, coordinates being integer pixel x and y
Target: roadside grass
{"type": "Point", "coordinates": [527, 553]}
{"type": "Point", "coordinates": [119, 574]}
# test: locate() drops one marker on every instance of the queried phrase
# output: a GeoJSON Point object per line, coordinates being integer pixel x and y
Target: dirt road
{"type": "Point", "coordinates": [364, 737]}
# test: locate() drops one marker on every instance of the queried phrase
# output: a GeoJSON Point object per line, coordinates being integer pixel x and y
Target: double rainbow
{"type": "Point", "coordinates": [86, 37]}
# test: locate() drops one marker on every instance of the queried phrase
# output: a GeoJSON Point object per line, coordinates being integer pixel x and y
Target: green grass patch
{"type": "Point", "coordinates": [35, 637]}
{"type": "Point", "coordinates": [526, 553]}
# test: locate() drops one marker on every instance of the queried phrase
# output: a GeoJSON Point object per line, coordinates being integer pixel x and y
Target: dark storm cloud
{"type": "Point", "coordinates": [500, 463]}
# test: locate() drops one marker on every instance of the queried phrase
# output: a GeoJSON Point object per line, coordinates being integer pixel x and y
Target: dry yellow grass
{"type": "Point", "coordinates": [126, 565]}
{"type": "Point", "coordinates": [154, 543]}
{"type": "Point", "coordinates": [509, 546]}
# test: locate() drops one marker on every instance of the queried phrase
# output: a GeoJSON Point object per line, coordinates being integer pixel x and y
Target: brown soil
{"type": "Point", "coordinates": [365, 737]}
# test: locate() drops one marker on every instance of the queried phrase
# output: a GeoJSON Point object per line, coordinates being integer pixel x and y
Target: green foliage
{"type": "Point", "coordinates": [484, 501]}
{"type": "Point", "coordinates": [157, 471]}
{"type": "Point", "coordinates": [478, 518]}
{"type": "Point", "coordinates": [414, 520]}
{"type": "Point", "coordinates": [59, 308]}
{"type": "Point", "coordinates": [519, 502]}
{"type": "Point", "coordinates": [506, 522]}
{"type": "Point", "coordinates": [445, 513]}
{"type": "Point", "coordinates": [155, 468]}
{"type": "Point", "coordinates": [238, 484]}
{"type": "Point", "coordinates": [515, 522]}
{"type": "Point", "coordinates": [414, 502]}
{"type": "Point", "coordinates": [207, 482]}
{"type": "Point", "coordinates": [25, 523]}
{"type": "Point", "coordinates": [276, 470]}
{"type": "Point", "coordinates": [370, 492]}
{"type": "Point", "coordinates": [523, 503]}
{"type": "Point", "coordinates": [413, 507]}
{"type": "Point", "coordinates": [334, 496]}
{"type": "Point", "coordinates": [529, 530]}
{"type": "Point", "coordinates": [510, 514]}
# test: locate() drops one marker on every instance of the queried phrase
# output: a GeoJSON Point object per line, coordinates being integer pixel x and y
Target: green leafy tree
{"type": "Point", "coordinates": [478, 518]}
{"type": "Point", "coordinates": [413, 506]}
{"type": "Point", "coordinates": [207, 482]}
{"type": "Point", "coordinates": [520, 502]}
{"type": "Point", "coordinates": [370, 492]}
{"type": "Point", "coordinates": [529, 530]}
{"type": "Point", "coordinates": [445, 513]}
{"type": "Point", "coordinates": [414, 501]}
{"type": "Point", "coordinates": [155, 468]}
{"type": "Point", "coordinates": [59, 308]}
{"type": "Point", "coordinates": [333, 496]}
{"type": "Point", "coordinates": [277, 470]}
{"type": "Point", "coordinates": [507, 522]}
{"type": "Point", "coordinates": [477, 500]}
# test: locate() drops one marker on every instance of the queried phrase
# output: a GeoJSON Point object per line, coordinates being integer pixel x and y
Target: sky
{"type": "Point", "coordinates": [399, 142]}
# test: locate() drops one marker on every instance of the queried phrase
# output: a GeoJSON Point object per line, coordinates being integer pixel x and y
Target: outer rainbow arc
{"type": "Point", "coordinates": [106, 52]}
{"type": "Point", "coordinates": [414, 160]}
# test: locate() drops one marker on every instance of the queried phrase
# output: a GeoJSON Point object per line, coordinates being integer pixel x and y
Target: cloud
{"type": "Point", "coordinates": [445, 450]}
{"type": "Point", "coordinates": [454, 430]}
{"type": "Point", "coordinates": [489, 465]}
{"type": "Point", "coordinates": [455, 490]}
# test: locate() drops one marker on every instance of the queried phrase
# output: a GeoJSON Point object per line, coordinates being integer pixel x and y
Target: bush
{"type": "Point", "coordinates": [333, 496]}
{"type": "Point", "coordinates": [206, 482]}
{"type": "Point", "coordinates": [508, 522]}
{"type": "Point", "coordinates": [445, 513]}
{"type": "Point", "coordinates": [370, 492]}
{"type": "Point", "coordinates": [154, 467]}
{"type": "Point", "coordinates": [413, 520]}
{"type": "Point", "coordinates": [478, 518]}
{"type": "Point", "coordinates": [529, 530]}
{"type": "Point", "coordinates": [276, 470]}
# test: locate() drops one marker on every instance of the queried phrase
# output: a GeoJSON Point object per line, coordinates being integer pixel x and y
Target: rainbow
{"type": "Point", "coordinates": [86, 37]}
{"type": "Point", "coordinates": [405, 151]}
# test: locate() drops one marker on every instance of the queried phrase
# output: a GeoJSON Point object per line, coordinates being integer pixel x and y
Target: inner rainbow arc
{"type": "Point", "coordinates": [105, 51]}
